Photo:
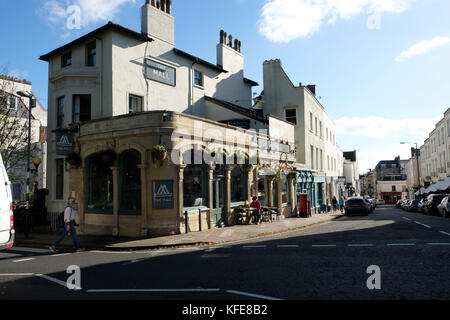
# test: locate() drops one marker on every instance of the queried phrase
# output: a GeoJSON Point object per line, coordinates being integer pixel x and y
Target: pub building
{"type": "Point", "coordinates": [120, 102]}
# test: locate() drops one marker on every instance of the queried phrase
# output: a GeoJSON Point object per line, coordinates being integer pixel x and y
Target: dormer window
{"type": "Point", "coordinates": [66, 59]}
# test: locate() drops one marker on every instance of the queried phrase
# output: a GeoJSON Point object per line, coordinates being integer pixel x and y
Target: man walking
{"type": "Point", "coordinates": [69, 226]}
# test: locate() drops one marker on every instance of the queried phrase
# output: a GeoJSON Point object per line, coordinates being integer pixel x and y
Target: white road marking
{"type": "Point", "coordinates": [406, 218]}
{"type": "Point", "coordinates": [16, 274]}
{"type": "Point", "coordinates": [60, 254]}
{"type": "Point", "coordinates": [23, 260]}
{"type": "Point", "coordinates": [252, 295]}
{"type": "Point", "coordinates": [323, 245]}
{"type": "Point", "coordinates": [255, 246]}
{"type": "Point", "coordinates": [424, 225]}
{"type": "Point", "coordinates": [401, 244]}
{"type": "Point", "coordinates": [361, 245]}
{"type": "Point", "coordinates": [443, 232]}
{"type": "Point", "coordinates": [149, 290]}
{"type": "Point", "coordinates": [288, 246]}
{"type": "Point", "coordinates": [64, 284]}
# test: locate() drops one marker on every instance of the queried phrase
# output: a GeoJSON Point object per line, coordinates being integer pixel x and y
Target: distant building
{"type": "Point", "coordinates": [319, 158]}
{"type": "Point", "coordinates": [351, 173]}
{"type": "Point", "coordinates": [390, 177]}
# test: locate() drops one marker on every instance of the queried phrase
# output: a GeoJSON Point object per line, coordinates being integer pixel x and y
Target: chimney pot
{"type": "Point", "coordinates": [168, 6]}
{"type": "Point", "coordinates": [163, 5]}
{"type": "Point", "coordinates": [230, 40]}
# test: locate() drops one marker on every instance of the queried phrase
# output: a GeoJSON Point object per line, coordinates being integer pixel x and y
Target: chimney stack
{"type": "Point", "coordinates": [229, 54]}
{"type": "Point", "coordinates": [157, 21]}
{"type": "Point", "coordinates": [163, 5]}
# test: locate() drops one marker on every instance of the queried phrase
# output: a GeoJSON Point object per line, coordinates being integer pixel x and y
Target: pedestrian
{"type": "Point", "coordinates": [69, 226]}
{"type": "Point", "coordinates": [257, 213]}
{"type": "Point", "coordinates": [341, 204]}
{"type": "Point", "coordinates": [334, 202]}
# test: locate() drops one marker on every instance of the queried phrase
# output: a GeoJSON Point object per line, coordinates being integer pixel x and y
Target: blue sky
{"type": "Point", "coordinates": [381, 66]}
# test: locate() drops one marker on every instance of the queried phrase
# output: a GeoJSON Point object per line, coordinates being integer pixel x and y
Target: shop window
{"type": "Point", "coordinates": [275, 193]}
{"type": "Point", "coordinates": [99, 186]}
{"type": "Point", "coordinates": [195, 186]}
{"type": "Point", "coordinates": [238, 184]}
{"type": "Point", "coordinates": [130, 182]}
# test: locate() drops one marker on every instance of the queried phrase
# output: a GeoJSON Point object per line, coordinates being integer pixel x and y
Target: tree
{"type": "Point", "coordinates": [13, 128]}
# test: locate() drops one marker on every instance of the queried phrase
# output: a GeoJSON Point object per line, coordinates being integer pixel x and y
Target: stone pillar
{"type": "Point", "coordinates": [292, 195]}
{"type": "Point", "coordinates": [211, 169]}
{"type": "Point", "coordinates": [115, 171]}
{"type": "Point", "coordinates": [270, 180]}
{"type": "Point", "coordinates": [250, 183]}
{"type": "Point", "coordinates": [228, 170]}
{"type": "Point", "coordinates": [181, 227]}
{"type": "Point", "coordinates": [279, 192]}
{"type": "Point", "coordinates": [144, 213]}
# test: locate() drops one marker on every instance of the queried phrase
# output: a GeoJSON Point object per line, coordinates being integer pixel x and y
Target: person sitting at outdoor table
{"type": "Point", "coordinates": [257, 213]}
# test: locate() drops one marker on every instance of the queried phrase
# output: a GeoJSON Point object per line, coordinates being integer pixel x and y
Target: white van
{"type": "Point", "coordinates": [7, 231]}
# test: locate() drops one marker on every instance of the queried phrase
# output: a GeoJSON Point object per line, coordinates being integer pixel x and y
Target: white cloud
{"type": "Point", "coordinates": [379, 127]}
{"type": "Point", "coordinates": [92, 11]}
{"type": "Point", "coordinates": [285, 20]}
{"type": "Point", "coordinates": [423, 47]}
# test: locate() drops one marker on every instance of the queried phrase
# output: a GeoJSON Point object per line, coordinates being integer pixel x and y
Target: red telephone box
{"type": "Point", "coordinates": [304, 205]}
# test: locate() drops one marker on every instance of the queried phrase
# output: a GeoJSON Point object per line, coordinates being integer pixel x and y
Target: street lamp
{"type": "Point", "coordinates": [32, 104]}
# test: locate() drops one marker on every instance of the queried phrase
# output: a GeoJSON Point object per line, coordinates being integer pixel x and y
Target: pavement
{"type": "Point", "coordinates": [216, 236]}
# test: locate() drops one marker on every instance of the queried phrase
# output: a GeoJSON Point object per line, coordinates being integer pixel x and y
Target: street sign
{"type": "Point", "coordinates": [64, 143]}
{"type": "Point", "coordinates": [160, 72]}
{"type": "Point", "coordinates": [163, 197]}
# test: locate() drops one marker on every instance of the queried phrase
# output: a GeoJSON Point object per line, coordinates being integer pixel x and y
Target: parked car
{"type": "Point", "coordinates": [369, 203]}
{"type": "Point", "coordinates": [421, 206]}
{"type": "Point", "coordinates": [413, 206]}
{"type": "Point", "coordinates": [399, 204]}
{"type": "Point", "coordinates": [357, 205]}
{"type": "Point", "coordinates": [405, 204]}
{"type": "Point", "coordinates": [7, 231]}
{"type": "Point", "coordinates": [381, 202]}
{"type": "Point", "coordinates": [374, 203]}
{"type": "Point", "coordinates": [433, 201]}
{"type": "Point", "coordinates": [444, 207]}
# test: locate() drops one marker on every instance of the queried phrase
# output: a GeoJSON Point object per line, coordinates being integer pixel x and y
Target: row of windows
{"type": "Point", "coordinates": [82, 108]}
{"type": "Point", "coordinates": [91, 56]}
{"type": "Point", "coordinates": [315, 126]}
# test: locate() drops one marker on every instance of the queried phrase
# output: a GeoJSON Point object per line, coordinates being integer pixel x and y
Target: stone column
{"type": "Point", "coordinates": [228, 199]}
{"type": "Point", "coordinates": [279, 193]}
{"type": "Point", "coordinates": [211, 169]}
{"type": "Point", "coordinates": [181, 227]}
{"type": "Point", "coordinates": [115, 171]}
{"type": "Point", "coordinates": [250, 183]}
{"type": "Point", "coordinates": [270, 180]}
{"type": "Point", "coordinates": [144, 213]}
{"type": "Point", "coordinates": [292, 195]}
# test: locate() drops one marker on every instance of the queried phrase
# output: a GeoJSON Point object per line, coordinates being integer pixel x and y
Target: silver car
{"type": "Point", "coordinates": [444, 207]}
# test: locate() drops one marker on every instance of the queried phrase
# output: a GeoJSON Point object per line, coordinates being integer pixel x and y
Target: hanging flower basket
{"type": "Point", "coordinates": [159, 153]}
{"type": "Point", "coordinates": [293, 174]}
{"type": "Point", "coordinates": [74, 159]}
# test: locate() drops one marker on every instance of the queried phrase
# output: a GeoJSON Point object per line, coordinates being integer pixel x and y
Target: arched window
{"type": "Point", "coordinates": [130, 182]}
{"type": "Point", "coordinates": [99, 186]}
